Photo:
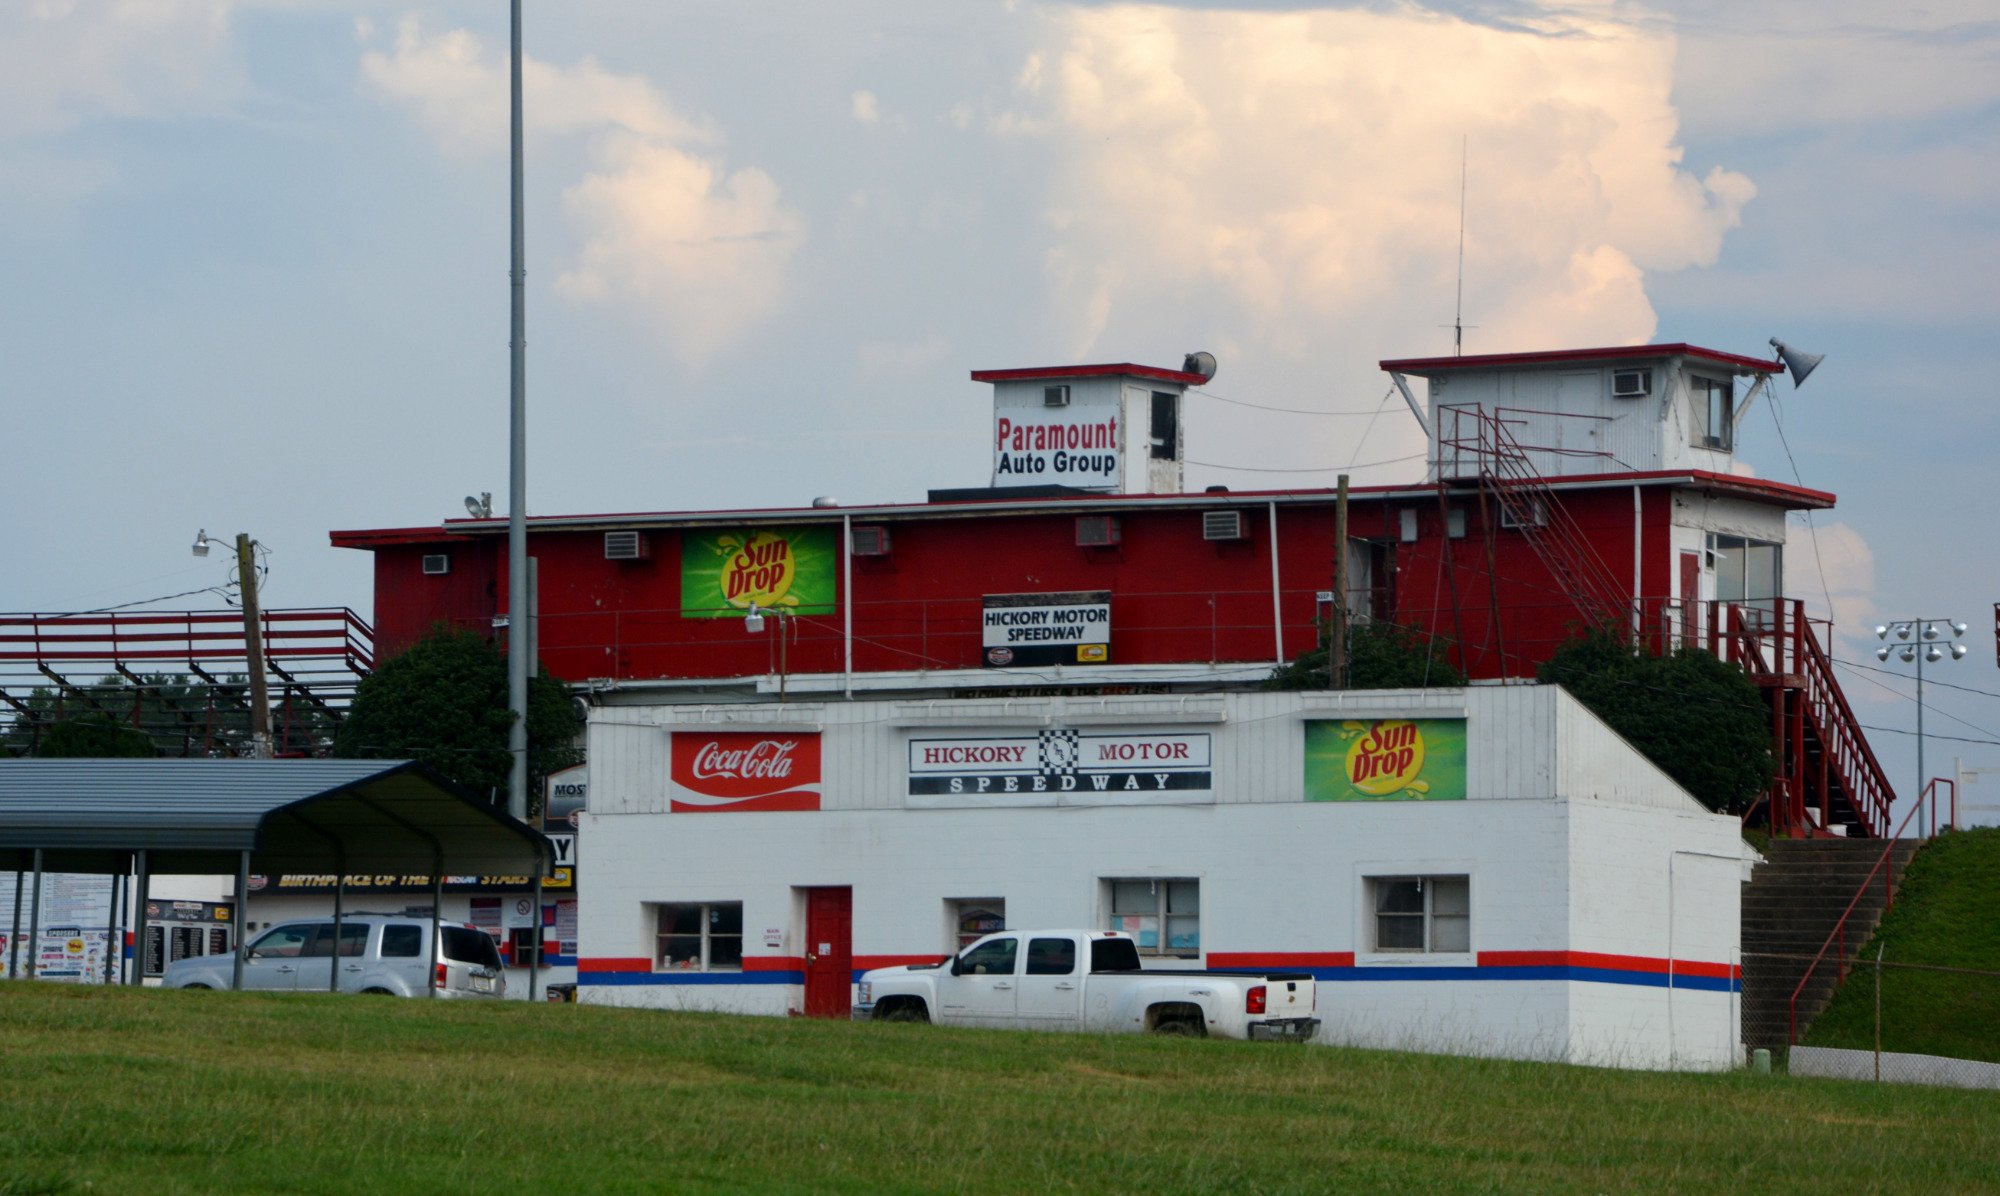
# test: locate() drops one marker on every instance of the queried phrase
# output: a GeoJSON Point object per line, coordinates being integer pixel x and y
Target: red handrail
{"type": "Point", "coordinates": [1839, 932]}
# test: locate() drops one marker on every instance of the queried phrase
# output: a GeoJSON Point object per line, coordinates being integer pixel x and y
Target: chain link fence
{"type": "Point", "coordinates": [1888, 1020]}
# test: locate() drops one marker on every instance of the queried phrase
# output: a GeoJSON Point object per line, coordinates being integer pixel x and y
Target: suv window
{"type": "Point", "coordinates": [284, 942]}
{"type": "Point", "coordinates": [470, 946]}
{"type": "Point", "coordinates": [402, 942]}
{"type": "Point", "coordinates": [352, 939]}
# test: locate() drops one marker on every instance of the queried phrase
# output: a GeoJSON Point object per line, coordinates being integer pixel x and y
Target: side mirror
{"type": "Point", "coordinates": [957, 966]}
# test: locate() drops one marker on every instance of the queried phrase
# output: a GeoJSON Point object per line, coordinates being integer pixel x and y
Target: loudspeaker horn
{"type": "Point", "coordinates": [1798, 363]}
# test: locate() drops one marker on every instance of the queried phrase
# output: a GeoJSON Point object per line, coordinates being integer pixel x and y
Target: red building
{"type": "Point", "coordinates": [1564, 491]}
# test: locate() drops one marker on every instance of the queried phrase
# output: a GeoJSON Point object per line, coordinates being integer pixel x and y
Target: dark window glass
{"type": "Point", "coordinates": [402, 942]}
{"type": "Point", "coordinates": [1165, 429]}
{"type": "Point", "coordinates": [470, 946]}
{"type": "Point", "coordinates": [1114, 955]}
{"type": "Point", "coordinates": [995, 957]}
{"type": "Point", "coordinates": [1051, 957]}
{"type": "Point", "coordinates": [286, 941]}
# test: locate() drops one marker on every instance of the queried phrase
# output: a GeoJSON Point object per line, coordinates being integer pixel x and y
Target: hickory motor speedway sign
{"type": "Point", "coordinates": [1061, 768]}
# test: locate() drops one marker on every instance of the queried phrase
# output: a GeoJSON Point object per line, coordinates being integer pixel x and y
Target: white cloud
{"type": "Point", "coordinates": [698, 251]}
{"type": "Point", "coordinates": [1830, 561]}
{"type": "Point", "coordinates": [64, 63]}
{"type": "Point", "coordinates": [866, 109]}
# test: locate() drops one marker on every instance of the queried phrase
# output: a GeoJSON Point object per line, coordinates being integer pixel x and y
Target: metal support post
{"type": "Point", "coordinates": [35, 918]}
{"type": "Point", "coordinates": [242, 942]}
{"type": "Point", "coordinates": [142, 890]}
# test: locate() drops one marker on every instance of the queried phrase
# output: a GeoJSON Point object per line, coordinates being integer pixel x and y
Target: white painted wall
{"type": "Point", "coordinates": [1572, 843]}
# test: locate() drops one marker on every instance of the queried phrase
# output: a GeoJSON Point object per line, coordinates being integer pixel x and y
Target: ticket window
{"type": "Point", "coordinates": [969, 918]}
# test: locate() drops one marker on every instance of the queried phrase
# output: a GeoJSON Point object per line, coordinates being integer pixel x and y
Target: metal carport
{"type": "Point", "coordinates": [218, 817]}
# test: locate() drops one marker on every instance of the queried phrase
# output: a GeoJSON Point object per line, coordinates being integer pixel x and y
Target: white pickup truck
{"type": "Point", "coordinates": [1086, 980]}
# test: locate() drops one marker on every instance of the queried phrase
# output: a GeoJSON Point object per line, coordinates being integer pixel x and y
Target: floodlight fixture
{"type": "Point", "coordinates": [202, 542]}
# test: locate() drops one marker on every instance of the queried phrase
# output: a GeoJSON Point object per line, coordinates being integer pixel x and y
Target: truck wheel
{"type": "Point", "coordinates": [1180, 1028]}
{"type": "Point", "coordinates": [908, 1012]}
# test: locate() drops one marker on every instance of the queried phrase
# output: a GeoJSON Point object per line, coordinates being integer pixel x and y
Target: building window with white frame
{"type": "Point", "coordinates": [1162, 914]}
{"type": "Point", "coordinates": [1422, 914]}
{"type": "Point", "coordinates": [699, 937]}
{"type": "Point", "coordinates": [1714, 402]}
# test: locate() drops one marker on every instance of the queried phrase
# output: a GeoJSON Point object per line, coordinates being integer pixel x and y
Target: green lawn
{"type": "Point", "coordinates": [1947, 913]}
{"type": "Point", "coordinates": [115, 1090]}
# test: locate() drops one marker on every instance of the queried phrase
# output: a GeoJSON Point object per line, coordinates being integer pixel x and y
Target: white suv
{"type": "Point", "coordinates": [388, 954]}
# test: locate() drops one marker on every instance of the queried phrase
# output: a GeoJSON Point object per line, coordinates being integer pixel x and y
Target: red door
{"type": "Point", "coordinates": [829, 952]}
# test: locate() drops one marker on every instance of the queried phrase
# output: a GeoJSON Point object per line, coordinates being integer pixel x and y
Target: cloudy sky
{"type": "Point", "coordinates": [257, 255]}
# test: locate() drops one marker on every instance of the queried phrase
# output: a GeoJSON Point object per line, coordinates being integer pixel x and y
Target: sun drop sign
{"type": "Point", "coordinates": [788, 569]}
{"type": "Point", "coordinates": [1391, 759]}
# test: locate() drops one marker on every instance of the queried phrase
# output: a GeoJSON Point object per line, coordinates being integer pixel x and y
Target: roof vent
{"type": "Point", "coordinates": [825, 501]}
{"type": "Point", "coordinates": [1222, 525]}
{"type": "Point", "coordinates": [436, 564]}
{"type": "Point", "coordinates": [625, 546]}
{"type": "Point", "coordinates": [1096, 531]}
{"type": "Point", "coordinates": [869, 541]}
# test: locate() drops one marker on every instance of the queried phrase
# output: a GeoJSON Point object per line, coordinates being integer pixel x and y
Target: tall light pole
{"type": "Point", "coordinates": [518, 640]}
{"type": "Point", "coordinates": [253, 639]}
{"type": "Point", "coordinates": [1920, 640]}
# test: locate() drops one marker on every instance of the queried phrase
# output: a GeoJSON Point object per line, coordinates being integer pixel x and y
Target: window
{"type": "Point", "coordinates": [521, 944]}
{"type": "Point", "coordinates": [700, 937]}
{"type": "Point", "coordinates": [973, 918]}
{"type": "Point", "coordinates": [1051, 957]}
{"type": "Point", "coordinates": [352, 939]}
{"type": "Point", "coordinates": [463, 944]}
{"type": "Point", "coordinates": [285, 942]}
{"type": "Point", "coordinates": [1714, 402]}
{"type": "Point", "coordinates": [1166, 435]}
{"type": "Point", "coordinates": [1145, 909]}
{"type": "Point", "coordinates": [402, 942]}
{"type": "Point", "coordinates": [1422, 913]}
{"type": "Point", "coordinates": [994, 957]}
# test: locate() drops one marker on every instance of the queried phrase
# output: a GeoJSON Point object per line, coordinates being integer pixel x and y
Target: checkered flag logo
{"type": "Point", "coordinates": [1059, 751]}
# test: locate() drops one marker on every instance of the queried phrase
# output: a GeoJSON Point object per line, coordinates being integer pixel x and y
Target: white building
{"type": "Point", "coordinates": [1486, 870]}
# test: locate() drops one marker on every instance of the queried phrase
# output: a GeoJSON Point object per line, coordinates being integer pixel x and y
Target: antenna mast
{"type": "Point", "coordinates": [1458, 307]}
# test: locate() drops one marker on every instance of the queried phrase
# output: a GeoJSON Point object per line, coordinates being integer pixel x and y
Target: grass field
{"type": "Point", "coordinates": [115, 1090]}
{"type": "Point", "coordinates": [1947, 913]}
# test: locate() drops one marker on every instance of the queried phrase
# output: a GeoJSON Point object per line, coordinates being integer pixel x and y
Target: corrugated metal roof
{"type": "Point", "coordinates": [196, 816]}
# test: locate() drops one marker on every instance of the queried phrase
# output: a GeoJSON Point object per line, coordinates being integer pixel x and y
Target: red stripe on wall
{"type": "Point", "coordinates": [614, 965]}
{"type": "Point", "coordinates": [774, 963]}
{"type": "Point", "coordinates": [1281, 959]}
{"type": "Point", "coordinates": [1598, 959]}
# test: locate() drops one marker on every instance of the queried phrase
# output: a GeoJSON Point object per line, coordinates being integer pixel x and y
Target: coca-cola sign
{"type": "Point", "coordinates": [745, 770]}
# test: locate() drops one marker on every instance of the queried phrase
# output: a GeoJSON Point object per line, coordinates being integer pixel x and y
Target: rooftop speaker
{"type": "Point", "coordinates": [1199, 363]}
{"type": "Point", "coordinates": [1798, 364]}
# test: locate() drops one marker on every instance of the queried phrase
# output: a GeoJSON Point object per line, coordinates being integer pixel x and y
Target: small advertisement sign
{"type": "Point", "coordinates": [790, 569]}
{"type": "Point", "coordinates": [1072, 446]}
{"type": "Point", "coordinates": [1061, 768]}
{"type": "Point", "coordinates": [1044, 629]}
{"type": "Point", "coordinates": [1385, 760]}
{"type": "Point", "coordinates": [386, 883]}
{"type": "Point", "coordinates": [717, 771]}
{"type": "Point", "coordinates": [567, 794]}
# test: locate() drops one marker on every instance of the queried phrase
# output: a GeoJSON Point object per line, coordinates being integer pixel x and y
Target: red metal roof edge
{"type": "Point", "coordinates": [1439, 365]}
{"type": "Point", "coordinates": [1800, 497]}
{"type": "Point", "coordinates": [1121, 369]}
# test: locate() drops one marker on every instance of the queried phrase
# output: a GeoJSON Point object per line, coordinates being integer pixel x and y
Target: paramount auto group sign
{"type": "Point", "coordinates": [1061, 768]}
{"type": "Point", "coordinates": [716, 771]}
{"type": "Point", "coordinates": [1075, 446]}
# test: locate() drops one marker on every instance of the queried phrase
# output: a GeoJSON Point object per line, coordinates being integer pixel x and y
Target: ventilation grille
{"type": "Point", "coordinates": [625, 546]}
{"type": "Point", "coordinates": [437, 563]}
{"type": "Point", "coordinates": [1222, 525]}
{"type": "Point", "coordinates": [1055, 396]}
{"type": "Point", "coordinates": [1096, 531]}
{"type": "Point", "coordinates": [870, 541]}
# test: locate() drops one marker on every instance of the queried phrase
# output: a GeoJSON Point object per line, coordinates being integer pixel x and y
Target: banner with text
{"type": "Point", "coordinates": [1390, 759]}
{"type": "Point", "coordinates": [715, 771]}
{"type": "Point", "coordinates": [778, 568]}
{"type": "Point", "coordinates": [1061, 768]}
{"type": "Point", "coordinates": [1075, 446]}
{"type": "Point", "coordinates": [1045, 629]}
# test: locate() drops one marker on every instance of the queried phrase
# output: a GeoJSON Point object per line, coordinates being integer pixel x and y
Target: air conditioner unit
{"type": "Point", "coordinates": [1222, 525]}
{"type": "Point", "coordinates": [1631, 384]}
{"type": "Point", "coordinates": [625, 546]}
{"type": "Point", "coordinates": [437, 564]}
{"type": "Point", "coordinates": [1055, 396]}
{"type": "Point", "coordinates": [869, 541]}
{"type": "Point", "coordinates": [1096, 531]}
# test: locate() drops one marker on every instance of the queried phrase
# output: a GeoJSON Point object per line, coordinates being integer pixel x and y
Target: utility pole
{"type": "Point", "coordinates": [520, 638]}
{"type": "Point", "coordinates": [253, 643]}
{"type": "Point", "coordinates": [1336, 632]}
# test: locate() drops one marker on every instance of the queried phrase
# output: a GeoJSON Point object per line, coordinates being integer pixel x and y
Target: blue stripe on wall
{"type": "Point", "coordinates": [628, 979]}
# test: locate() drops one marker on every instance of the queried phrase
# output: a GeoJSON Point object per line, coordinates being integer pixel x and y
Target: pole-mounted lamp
{"type": "Point", "coordinates": [253, 638]}
{"type": "Point", "coordinates": [753, 624]}
{"type": "Point", "coordinates": [1921, 640]}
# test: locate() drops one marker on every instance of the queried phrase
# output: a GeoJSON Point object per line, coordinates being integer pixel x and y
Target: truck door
{"type": "Point", "coordinates": [1050, 995]}
{"type": "Point", "coordinates": [982, 992]}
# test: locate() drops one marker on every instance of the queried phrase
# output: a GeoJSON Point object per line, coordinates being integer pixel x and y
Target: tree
{"type": "Point", "coordinates": [182, 716]}
{"type": "Point", "coordinates": [94, 736]}
{"type": "Point", "coordinates": [444, 702]}
{"type": "Point", "coordinates": [1379, 656]}
{"type": "Point", "coordinates": [1697, 717]}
